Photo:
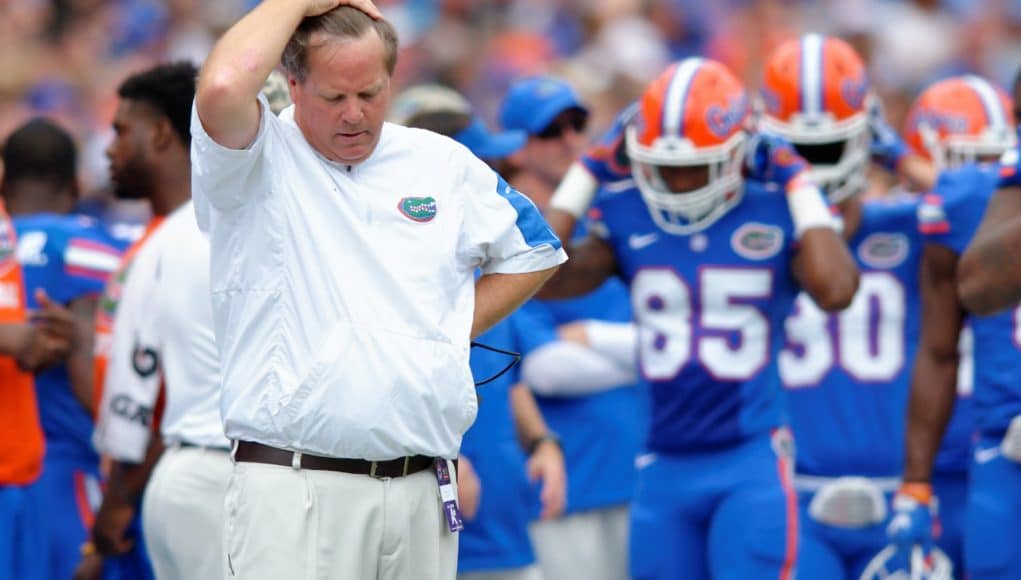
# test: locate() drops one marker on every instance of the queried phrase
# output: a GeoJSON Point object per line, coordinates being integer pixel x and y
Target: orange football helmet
{"type": "Point", "coordinates": [815, 94]}
{"type": "Point", "coordinates": [961, 120]}
{"type": "Point", "coordinates": [694, 114]}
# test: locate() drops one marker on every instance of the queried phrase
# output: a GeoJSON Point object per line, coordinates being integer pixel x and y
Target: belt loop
{"type": "Point", "coordinates": [372, 469]}
{"type": "Point", "coordinates": [407, 459]}
{"type": "Point", "coordinates": [296, 460]}
{"type": "Point", "coordinates": [234, 450]}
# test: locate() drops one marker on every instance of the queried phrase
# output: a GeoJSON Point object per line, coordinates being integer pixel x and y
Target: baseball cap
{"type": "Point", "coordinates": [423, 105]}
{"type": "Point", "coordinates": [532, 103]}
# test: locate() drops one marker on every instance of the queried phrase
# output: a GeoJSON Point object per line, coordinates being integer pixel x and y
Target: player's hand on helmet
{"type": "Point", "coordinates": [886, 146]}
{"type": "Point", "coordinates": [772, 159]}
{"type": "Point", "coordinates": [547, 464]}
{"type": "Point", "coordinates": [914, 521]}
{"type": "Point", "coordinates": [469, 488]}
{"type": "Point", "coordinates": [317, 7]}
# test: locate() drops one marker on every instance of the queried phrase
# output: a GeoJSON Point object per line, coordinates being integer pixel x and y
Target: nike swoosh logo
{"type": "Point", "coordinates": [639, 241]}
{"type": "Point", "coordinates": [986, 455]}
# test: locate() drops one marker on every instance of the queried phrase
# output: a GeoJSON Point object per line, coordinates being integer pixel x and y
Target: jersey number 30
{"type": "Point", "coordinates": [866, 339]}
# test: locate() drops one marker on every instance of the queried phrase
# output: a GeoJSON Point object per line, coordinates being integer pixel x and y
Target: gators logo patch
{"type": "Point", "coordinates": [884, 251]}
{"type": "Point", "coordinates": [756, 241]}
{"type": "Point", "coordinates": [724, 121]}
{"type": "Point", "coordinates": [419, 209]}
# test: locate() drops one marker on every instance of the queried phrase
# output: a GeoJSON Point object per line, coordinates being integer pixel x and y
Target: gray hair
{"type": "Point", "coordinates": [342, 22]}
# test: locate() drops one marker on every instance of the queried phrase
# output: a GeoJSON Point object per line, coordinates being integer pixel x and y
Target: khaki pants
{"type": "Point", "coordinates": [591, 545]}
{"type": "Point", "coordinates": [527, 573]}
{"type": "Point", "coordinates": [182, 513]}
{"type": "Point", "coordinates": [284, 523]}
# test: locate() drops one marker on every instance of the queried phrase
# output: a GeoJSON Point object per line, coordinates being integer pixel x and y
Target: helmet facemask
{"type": "Point", "coordinates": [687, 212]}
{"type": "Point", "coordinates": [838, 151]}
{"type": "Point", "coordinates": [956, 150]}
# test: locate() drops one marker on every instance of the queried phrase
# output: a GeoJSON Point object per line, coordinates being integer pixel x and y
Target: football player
{"type": "Point", "coordinates": [70, 257]}
{"type": "Point", "coordinates": [963, 124]}
{"type": "Point", "coordinates": [847, 373]}
{"type": "Point", "coordinates": [713, 261]}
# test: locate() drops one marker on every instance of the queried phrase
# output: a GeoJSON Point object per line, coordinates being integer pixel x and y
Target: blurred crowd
{"type": "Point", "coordinates": [64, 58]}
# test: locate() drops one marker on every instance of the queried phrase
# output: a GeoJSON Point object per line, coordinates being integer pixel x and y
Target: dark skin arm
{"type": "Point", "coordinates": [79, 364]}
{"type": "Point", "coordinates": [825, 269]}
{"type": "Point", "coordinates": [934, 381]}
{"type": "Point", "coordinates": [124, 489]}
{"type": "Point", "coordinates": [561, 222]}
{"type": "Point", "coordinates": [591, 263]}
{"type": "Point", "coordinates": [989, 273]}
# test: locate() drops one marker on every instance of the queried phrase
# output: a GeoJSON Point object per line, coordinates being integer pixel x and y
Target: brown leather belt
{"type": "Point", "coordinates": [400, 467]}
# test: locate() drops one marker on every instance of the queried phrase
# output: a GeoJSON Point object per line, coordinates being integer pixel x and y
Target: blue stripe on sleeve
{"type": "Point", "coordinates": [530, 222]}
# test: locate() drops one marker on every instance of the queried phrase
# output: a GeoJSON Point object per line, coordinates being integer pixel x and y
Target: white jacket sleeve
{"type": "Point", "coordinates": [568, 369]}
{"type": "Point", "coordinates": [132, 384]}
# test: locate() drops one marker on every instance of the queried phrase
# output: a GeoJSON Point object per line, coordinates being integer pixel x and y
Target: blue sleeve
{"type": "Point", "coordinates": [534, 326]}
{"type": "Point", "coordinates": [950, 215]}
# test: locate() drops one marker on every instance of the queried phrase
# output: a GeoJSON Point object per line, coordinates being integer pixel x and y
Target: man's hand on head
{"type": "Point", "coordinates": [317, 7]}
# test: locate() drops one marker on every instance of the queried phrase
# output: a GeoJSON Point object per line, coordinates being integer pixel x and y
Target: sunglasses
{"type": "Point", "coordinates": [575, 121]}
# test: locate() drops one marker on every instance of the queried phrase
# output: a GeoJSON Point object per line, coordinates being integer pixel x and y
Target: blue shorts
{"type": "Point", "coordinates": [951, 488]}
{"type": "Point", "coordinates": [21, 534]}
{"type": "Point", "coordinates": [68, 492]}
{"type": "Point", "coordinates": [992, 519]}
{"type": "Point", "coordinates": [726, 514]}
{"type": "Point", "coordinates": [834, 552]}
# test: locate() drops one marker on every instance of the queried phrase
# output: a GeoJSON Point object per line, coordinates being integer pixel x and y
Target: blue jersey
{"type": "Point", "coordinates": [710, 309]}
{"type": "Point", "coordinates": [954, 215]}
{"type": "Point", "coordinates": [848, 374]}
{"type": "Point", "coordinates": [601, 469]}
{"type": "Point", "coordinates": [69, 257]}
{"type": "Point", "coordinates": [497, 539]}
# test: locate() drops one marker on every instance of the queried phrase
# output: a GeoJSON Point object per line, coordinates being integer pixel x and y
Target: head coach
{"type": "Point", "coordinates": [344, 298]}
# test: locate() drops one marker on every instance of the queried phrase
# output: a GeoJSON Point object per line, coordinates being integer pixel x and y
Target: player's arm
{"type": "Point", "coordinates": [497, 295]}
{"type": "Point", "coordinates": [546, 459]}
{"type": "Point", "coordinates": [825, 269]}
{"type": "Point", "coordinates": [989, 274]}
{"type": "Point", "coordinates": [934, 380]}
{"type": "Point", "coordinates": [822, 264]}
{"type": "Point", "coordinates": [571, 200]}
{"type": "Point", "coordinates": [888, 150]}
{"type": "Point", "coordinates": [592, 263]}
{"type": "Point", "coordinates": [124, 488]}
{"type": "Point", "coordinates": [241, 61]}
{"type": "Point", "coordinates": [590, 356]}
{"type": "Point", "coordinates": [79, 363]}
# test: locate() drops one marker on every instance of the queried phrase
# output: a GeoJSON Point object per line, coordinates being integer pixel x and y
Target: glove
{"type": "Point", "coordinates": [772, 159]}
{"type": "Point", "coordinates": [886, 147]}
{"type": "Point", "coordinates": [915, 521]}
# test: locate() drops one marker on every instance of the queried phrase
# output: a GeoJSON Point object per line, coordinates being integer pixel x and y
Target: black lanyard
{"type": "Point", "coordinates": [516, 356]}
